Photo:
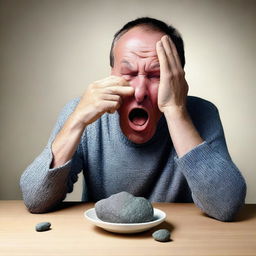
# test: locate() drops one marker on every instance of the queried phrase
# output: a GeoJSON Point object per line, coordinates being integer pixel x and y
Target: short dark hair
{"type": "Point", "coordinates": [154, 24]}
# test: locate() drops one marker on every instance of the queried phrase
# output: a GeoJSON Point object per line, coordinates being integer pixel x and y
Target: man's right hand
{"type": "Point", "coordinates": [100, 97]}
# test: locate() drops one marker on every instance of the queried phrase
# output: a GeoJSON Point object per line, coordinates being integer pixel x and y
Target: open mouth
{"type": "Point", "coordinates": [138, 116]}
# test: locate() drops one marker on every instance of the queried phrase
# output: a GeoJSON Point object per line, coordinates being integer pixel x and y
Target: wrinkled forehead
{"type": "Point", "coordinates": [140, 40]}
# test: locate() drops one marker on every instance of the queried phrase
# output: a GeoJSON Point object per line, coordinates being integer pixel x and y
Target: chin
{"type": "Point", "coordinates": [138, 137]}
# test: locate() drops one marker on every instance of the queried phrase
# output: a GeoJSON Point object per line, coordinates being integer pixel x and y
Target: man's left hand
{"type": "Point", "coordinates": [173, 87]}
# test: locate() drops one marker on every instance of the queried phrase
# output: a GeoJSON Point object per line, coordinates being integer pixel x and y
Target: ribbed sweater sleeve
{"type": "Point", "coordinates": [217, 185]}
{"type": "Point", "coordinates": [42, 187]}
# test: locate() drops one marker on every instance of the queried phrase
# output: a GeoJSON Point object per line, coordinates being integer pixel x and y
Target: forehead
{"type": "Point", "coordinates": [139, 41]}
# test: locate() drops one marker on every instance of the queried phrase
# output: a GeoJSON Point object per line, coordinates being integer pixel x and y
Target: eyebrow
{"type": "Point", "coordinates": [157, 65]}
{"type": "Point", "coordinates": [127, 63]}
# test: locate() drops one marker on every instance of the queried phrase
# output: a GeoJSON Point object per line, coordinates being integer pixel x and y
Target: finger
{"type": "Point", "coordinates": [110, 106]}
{"type": "Point", "coordinates": [164, 66]}
{"type": "Point", "coordinates": [112, 80]}
{"type": "Point", "coordinates": [111, 97]}
{"type": "Point", "coordinates": [168, 50]}
{"type": "Point", "coordinates": [119, 80]}
{"type": "Point", "coordinates": [175, 53]}
{"type": "Point", "coordinates": [119, 90]}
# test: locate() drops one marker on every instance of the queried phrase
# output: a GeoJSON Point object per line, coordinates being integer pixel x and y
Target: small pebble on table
{"type": "Point", "coordinates": [162, 235]}
{"type": "Point", "coordinates": [43, 226]}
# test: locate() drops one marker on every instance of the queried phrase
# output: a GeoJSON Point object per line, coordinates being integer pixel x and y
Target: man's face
{"type": "Point", "coordinates": [135, 59]}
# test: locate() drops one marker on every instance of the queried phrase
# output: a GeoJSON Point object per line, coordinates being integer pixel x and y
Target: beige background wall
{"type": "Point", "coordinates": [51, 50]}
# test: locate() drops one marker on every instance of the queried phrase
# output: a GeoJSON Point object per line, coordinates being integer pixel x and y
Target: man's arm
{"type": "Point", "coordinates": [217, 186]}
{"type": "Point", "coordinates": [172, 96]}
{"type": "Point", "coordinates": [43, 186]}
{"type": "Point", "coordinates": [51, 175]}
{"type": "Point", "coordinates": [102, 96]}
{"type": "Point", "coordinates": [210, 175]}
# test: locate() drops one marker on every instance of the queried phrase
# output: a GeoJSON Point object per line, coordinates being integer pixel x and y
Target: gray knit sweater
{"type": "Point", "coordinates": [111, 163]}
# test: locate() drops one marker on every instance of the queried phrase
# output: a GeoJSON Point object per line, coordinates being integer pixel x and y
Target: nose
{"type": "Point", "coordinates": [140, 86]}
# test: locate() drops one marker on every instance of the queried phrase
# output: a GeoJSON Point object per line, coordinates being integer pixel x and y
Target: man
{"type": "Point", "coordinates": [138, 131]}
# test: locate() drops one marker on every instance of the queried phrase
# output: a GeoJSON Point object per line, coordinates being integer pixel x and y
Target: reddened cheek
{"type": "Point", "coordinates": [154, 90]}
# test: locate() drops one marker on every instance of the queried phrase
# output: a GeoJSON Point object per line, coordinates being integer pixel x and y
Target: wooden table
{"type": "Point", "coordinates": [192, 233]}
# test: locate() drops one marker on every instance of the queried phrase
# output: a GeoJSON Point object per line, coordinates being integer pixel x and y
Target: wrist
{"type": "Point", "coordinates": [76, 122]}
{"type": "Point", "coordinates": [177, 112]}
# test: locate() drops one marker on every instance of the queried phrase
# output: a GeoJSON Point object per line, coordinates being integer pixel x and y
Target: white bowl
{"type": "Point", "coordinates": [159, 217]}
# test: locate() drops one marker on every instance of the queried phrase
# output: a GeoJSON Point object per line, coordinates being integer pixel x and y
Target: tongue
{"type": "Point", "coordinates": [139, 120]}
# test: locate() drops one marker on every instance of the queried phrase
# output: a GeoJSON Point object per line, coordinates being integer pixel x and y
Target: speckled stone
{"type": "Point", "coordinates": [162, 235]}
{"type": "Point", "coordinates": [123, 207]}
{"type": "Point", "coordinates": [43, 226]}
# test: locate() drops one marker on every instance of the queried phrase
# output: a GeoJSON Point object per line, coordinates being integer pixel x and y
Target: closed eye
{"type": "Point", "coordinates": [128, 76]}
{"type": "Point", "coordinates": [154, 75]}
{"type": "Point", "coordinates": [131, 75]}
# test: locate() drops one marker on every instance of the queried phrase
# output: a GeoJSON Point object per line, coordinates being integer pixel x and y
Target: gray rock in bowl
{"type": "Point", "coordinates": [123, 207]}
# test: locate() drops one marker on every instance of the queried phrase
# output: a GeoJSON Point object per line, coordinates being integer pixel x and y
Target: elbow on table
{"type": "Point", "coordinates": [35, 208]}
{"type": "Point", "coordinates": [40, 206]}
{"type": "Point", "coordinates": [38, 202]}
{"type": "Point", "coordinates": [33, 202]}
{"type": "Point", "coordinates": [227, 215]}
{"type": "Point", "coordinates": [230, 204]}
{"type": "Point", "coordinates": [37, 199]}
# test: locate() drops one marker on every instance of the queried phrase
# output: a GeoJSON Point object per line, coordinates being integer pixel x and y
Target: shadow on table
{"type": "Point", "coordinates": [141, 235]}
{"type": "Point", "coordinates": [247, 212]}
{"type": "Point", "coordinates": [65, 205]}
